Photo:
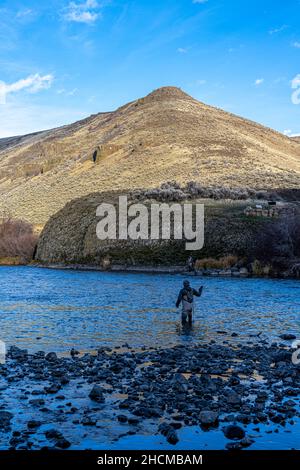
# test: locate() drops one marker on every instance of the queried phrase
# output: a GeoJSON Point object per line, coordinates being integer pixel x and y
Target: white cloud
{"type": "Point", "coordinates": [25, 13]}
{"type": "Point", "coordinates": [201, 82]}
{"type": "Point", "coordinates": [86, 12]}
{"type": "Point", "coordinates": [32, 84]}
{"type": "Point", "coordinates": [290, 133]}
{"type": "Point", "coordinates": [63, 91]}
{"type": "Point", "coordinates": [259, 81]}
{"type": "Point", "coordinates": [296, 44]}
{"type": "Point", "coordinates": [182, 50]}
{"type": "Point", "coordinates": [278, 30]}
{"type": "Point", "coordinates": [72, 92]}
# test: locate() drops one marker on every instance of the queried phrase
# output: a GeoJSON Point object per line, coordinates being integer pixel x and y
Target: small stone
{"type": "Point", "coordinates": [5, 417]}
{"type": "Point", "coordinates": [96, 394]}
{"type": "Point", "coordinates": [233, 398]}
{"type": "Point", "coordinates": [51, 357]}
{"type": "Point", "coordinates": [234, 432]}
{"type": "Point", "coordinates": [63, 443]}
{"type": "Point", "coordinates": [88, 421]}
{"type": "Point", "coordinates": [133, 421]}
{"type": "Point", "coordinates": [122, 418]}
{"type": "Point", "coordinates": [287, 336]}
{"type": "Point", "coordinates": [33, 424]}
{"type": "Point", "coordinates": [53, 434]}
{"type": "Point", "coordinates": [233, 446]}
{"type": "Point", "coordinates": [54, 388]}
{"type": "Point", "coordinates": [246, 442]}
{"type": "Point", "coordinates": [172, 437]}
{"type": "Point", "coordinates": [209, 418]}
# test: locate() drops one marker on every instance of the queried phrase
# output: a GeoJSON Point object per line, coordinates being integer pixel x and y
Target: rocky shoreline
{"type": "Point", "coordinates": [229, 273]}
{"type": "Point", "coordinates": [51, 402]}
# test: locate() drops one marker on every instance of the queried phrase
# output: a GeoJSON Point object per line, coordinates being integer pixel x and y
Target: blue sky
{"type": "Point", "coordinates": [63, 60]}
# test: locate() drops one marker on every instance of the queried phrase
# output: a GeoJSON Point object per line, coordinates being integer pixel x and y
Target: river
{"type": "Point", "coordinates": [45, 309]}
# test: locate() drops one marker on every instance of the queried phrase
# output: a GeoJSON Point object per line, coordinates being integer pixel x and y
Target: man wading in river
{"type": "Point", "coordinates": [186, 298]}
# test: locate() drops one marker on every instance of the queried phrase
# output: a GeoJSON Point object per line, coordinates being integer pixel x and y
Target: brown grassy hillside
{"type": "Point", "coordinates": [165, 136]}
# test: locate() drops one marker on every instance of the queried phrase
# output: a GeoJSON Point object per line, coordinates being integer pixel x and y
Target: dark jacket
{"type": "Point", "coordinates": [188, 293]}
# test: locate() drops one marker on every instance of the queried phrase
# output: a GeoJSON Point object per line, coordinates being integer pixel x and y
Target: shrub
{"type": "Point", "coordinates": [17, 238]}
{"type": "Point", "coordinates": [225, 262]}
{"type": "Point", "coordinates": [172, 191]}
{"type": "Point", "coordinates": [257, 268]}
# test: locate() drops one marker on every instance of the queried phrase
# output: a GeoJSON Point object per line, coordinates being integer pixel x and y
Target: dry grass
{"type": "Point", "coordinates": [164, 136]}
{"type": "Point", "coordinates": [225, 262]}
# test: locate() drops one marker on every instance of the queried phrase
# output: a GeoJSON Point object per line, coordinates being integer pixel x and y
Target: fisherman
{"type": "Point", "coordinates": [186, 298]}
{"type": "Point", "coordinates": [191, 264]}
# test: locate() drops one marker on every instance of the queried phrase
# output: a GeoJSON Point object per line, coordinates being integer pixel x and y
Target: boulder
{"type": "Point", "coordinates": [209, 418]}
{"type": "Point", "coordinates": [234, 432]}
{"type": "Point", "coordinates": [287, 336]}
{"type": "Point", "coordinates": [51, 357]}
{"type": "Point", "coordinates": [96, 394]}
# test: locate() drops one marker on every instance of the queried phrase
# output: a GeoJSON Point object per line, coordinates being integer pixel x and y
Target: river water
{"type": "Point", "coordinates": [45, 309]}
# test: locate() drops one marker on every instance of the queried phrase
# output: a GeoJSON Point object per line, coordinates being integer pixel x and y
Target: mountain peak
{"type": "Point", "coordinates": [167, 93]}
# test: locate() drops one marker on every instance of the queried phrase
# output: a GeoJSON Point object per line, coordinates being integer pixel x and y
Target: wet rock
{"type": "Point", "coordinates": [282, 356]}
{"type": "Point", "coordinates": [64, 380]}
{"type": "Point", "coordinates": [16, 441]}
{"type": "Point", "coordinates": [5, 418]}
{"type": "Point", "coordinates": [122, 418]}
{"type": "Point", "coordinates": [209, 418]}
{"type": "Point", "coordinates": [233, 446]}
{"type": "Point", "coordinates": [53, 434]}
{"type": "Point", "coordinates": [63, 443]}
{"type": "Point", "coordinates": [37, 402]}
{"type": "Point", "coordinates": [16, 353]}
{"type": "Point", "coordinates": [133, 421]}
{"type": "Point", "coordinates": [38, 392]}
{"type": "Point", "coordinates": [234, 380]}
{"type": "Point", "coordinates": [234, 432]}
{"type": "Point", "coordinates": [287, 336]}
{"type": "Point", "coordinates": [51, 357]}
{"type": "Point", "coordinates": [164, 428]}
{"type": "Point", "coordinates": [176, 425]}
{"type": "Point", "coordinates": [246, 442]}
{"type": "Point", "coordinates": [233, 398]}
{"type": "Point", "coordinates": [96, 394]}
{"type": "Point", "coordinates": [53, 388]}
{"type": "Point", "coordinates": [33, 424]}
{"type": "Point", "coordinates": [172, 436]}
{"type": "Point", "coordinates": [88, 421]}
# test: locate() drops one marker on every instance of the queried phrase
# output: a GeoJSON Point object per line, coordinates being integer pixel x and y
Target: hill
{"type": "Point", "coordinates": [167, 135]}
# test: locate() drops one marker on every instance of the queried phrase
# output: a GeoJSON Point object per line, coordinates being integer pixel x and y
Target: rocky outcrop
{"type": "Point", "coordinates": [70, 237]}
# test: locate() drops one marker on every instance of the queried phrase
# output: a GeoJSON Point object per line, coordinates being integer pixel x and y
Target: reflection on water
{"type": "Point", "coordinates": [55, 309]}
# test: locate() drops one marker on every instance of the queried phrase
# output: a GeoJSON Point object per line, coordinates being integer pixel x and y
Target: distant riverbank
{"type": "Point", "coordinates": [233, 272]}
